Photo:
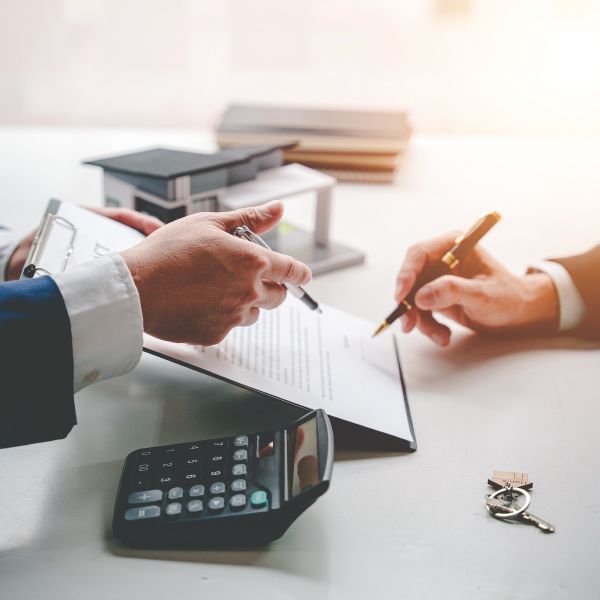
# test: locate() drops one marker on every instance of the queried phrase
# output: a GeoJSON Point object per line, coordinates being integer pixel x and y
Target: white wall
{"type": "Point", "coordinates": [482, 66]}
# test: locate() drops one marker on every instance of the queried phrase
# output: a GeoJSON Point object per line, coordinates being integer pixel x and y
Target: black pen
{"type": "Point", "coordinates": [463, 245]}
{"type": "Point", "coordinates": [298, 291]}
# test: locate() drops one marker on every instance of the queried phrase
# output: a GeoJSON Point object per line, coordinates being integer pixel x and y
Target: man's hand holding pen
{"type": "Point", "coordinates": [196, 281]}
{"type": "Point", "coordinates": [481, 294]}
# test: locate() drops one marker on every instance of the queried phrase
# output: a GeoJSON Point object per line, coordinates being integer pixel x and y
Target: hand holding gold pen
{"type": "Point", "coordinates": [462, 247]}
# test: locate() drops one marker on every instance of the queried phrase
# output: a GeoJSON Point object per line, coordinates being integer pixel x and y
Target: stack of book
{"type": "Point", "coordinates": [351, 145]}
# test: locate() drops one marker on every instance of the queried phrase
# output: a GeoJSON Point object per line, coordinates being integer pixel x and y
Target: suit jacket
{"type": "Point", "coordinates": [36, 363]}
{"type": "Point", "coordinates": [585, 272]}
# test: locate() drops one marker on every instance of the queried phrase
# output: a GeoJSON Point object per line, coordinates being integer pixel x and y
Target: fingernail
{"type": "Point", "coordinates": [271, 206]}
{"type": "Point", "coordinates": [425, 298]}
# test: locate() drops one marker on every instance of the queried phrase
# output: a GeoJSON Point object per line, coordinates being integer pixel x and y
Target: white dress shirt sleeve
{"type": "Point", "coordinates": [8, 243]}
{"type": "Point", "coordinates": [106, 319]}
{"type": "Point", "coordinates": [572, 308]}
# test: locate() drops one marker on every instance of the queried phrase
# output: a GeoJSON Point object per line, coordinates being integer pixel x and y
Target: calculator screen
{"type": "Point", "coordinates": [303, 457]}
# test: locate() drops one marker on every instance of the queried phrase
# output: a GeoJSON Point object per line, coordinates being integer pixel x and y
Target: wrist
{"type": "Point", "coordinates": [541, 306]}
{"type": "Point", "coordinates": [137, 271]}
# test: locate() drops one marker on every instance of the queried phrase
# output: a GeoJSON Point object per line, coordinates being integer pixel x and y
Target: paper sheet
{"type": "Point", "coordinates": [95, 236]}
{"type": "Point", "coordinates": [324, 361]}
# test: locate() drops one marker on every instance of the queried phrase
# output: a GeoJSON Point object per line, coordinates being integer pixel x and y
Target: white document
{"type": "Point", "coordinates": [71, 235]}
{"type": "Point", "coordinates": [315, 360]}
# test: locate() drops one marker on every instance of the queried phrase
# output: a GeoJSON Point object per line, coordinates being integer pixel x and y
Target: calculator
{"type": "Point", "coordinates": [240, 491]}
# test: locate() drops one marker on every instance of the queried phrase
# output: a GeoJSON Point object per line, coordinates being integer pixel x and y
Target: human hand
{"type": "Point", "coordinates": [197, 281]}
{"type": "Point", "coordinates": [143, 223]}
{"type": "Point", "coordinates": [482, 294]}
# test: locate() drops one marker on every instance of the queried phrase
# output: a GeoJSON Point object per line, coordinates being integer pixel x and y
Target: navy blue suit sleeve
{"type": "Point", "coordinates": [36, 363]}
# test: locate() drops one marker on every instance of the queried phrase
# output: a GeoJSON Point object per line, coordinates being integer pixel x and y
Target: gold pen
{"type": "Point", "coordinates": [463, 245]}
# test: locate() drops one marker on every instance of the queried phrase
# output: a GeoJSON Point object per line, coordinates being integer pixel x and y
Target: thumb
{"type": "Point", "coordinates": [448, 291]}
{"type": "Point", "coordinates": [258, 218]}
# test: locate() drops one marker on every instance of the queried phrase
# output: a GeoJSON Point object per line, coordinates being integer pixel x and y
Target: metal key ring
{"type": "Point", "coordinates": [514, 512]}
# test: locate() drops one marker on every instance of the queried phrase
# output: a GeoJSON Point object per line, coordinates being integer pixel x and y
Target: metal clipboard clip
{"type": "Point", "coordinates": [39, 243]}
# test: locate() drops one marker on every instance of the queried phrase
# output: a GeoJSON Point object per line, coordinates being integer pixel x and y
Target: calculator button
{"type": "Point", "coordinates": [192, 462]}
{"type": "Point", "coordinates": [237, 501]}
{"type": "Point", "coordinates": [193, 448]}
{"type": "Point", "coordinates": [241, 441]}
{"type": "Point", "coordinates": [239, 470]}
{"type": "Point", "coordinates": [258, 499]}
{"type": "Point", "coordinates": [218, 487]}
{"type": "Point", "coordinates": [196, 490]}
{"type": "Point", "coordinates": [145, 496]}
{"type": "Point", "coordinates": [218, 460]}
{"type": "Point", "coordinates": [175, 493]}
{"type": "Point", "coordinates": [170, 452]}
{"type": "Point", "coordinates": [216, 503]}
{"type": "Point", "coordinates": [143, 467]}
{"type": "Point", "coordinates": [239, 485]}
{"type": "Point", "coordinates": [146, 512]}
{"type": "Point", "coordinates": [165, 480]}
{"type": "Point", "coordinates": [167, 465]}
{"type": "Point", "coordinates": [143, 455]}
{"type": "Point", "coordinates": [195, 506]}
{"type": "Point", "coordinates": [217, 474]}
{"type": "Point", "coordinates": [218, 444]}
{"type": "Point", "coordinates": [190, 476]}
{"type": "Point", "coordinates": [240, 455]}
{"type": "Point", "coordinates": [173, 509]}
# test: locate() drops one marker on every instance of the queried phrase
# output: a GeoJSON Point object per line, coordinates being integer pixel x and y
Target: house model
{"type": "Point", "coordinates": [171, 184]}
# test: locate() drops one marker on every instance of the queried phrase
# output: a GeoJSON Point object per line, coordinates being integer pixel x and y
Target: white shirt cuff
{"type": "Point", "coordinates": [106, 319]}
{"type": "Point", "coordinates": [8, 243]}
{"type": "Point", "coordinates": [572, 308]}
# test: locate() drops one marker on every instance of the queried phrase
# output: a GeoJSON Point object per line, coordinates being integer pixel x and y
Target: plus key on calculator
{"type": "Point", "coordinates": [243, 490]}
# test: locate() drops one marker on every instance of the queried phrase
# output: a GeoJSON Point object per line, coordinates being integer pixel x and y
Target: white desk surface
{"type": "Point", "coordinates": [394, 525]}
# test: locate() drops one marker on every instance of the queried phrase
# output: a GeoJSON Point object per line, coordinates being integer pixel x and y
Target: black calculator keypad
{"type": "Point", "coordinates": [194, 480]}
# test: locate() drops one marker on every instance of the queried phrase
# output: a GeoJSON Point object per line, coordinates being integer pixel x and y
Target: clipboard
{"type": "Point", "coordinates": [69, 235]}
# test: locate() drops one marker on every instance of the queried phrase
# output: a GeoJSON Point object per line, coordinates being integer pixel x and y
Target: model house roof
{"type": "Point", "coordinates": [165, 163]}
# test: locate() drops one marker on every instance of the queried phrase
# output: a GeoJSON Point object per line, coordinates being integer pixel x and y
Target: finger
{"type": "Point", "coordinates": [258, 218]}
{"type": "Point", "coordinates": [409, 320]}
{"type": "Point", "coordinates": [285, 269]}
{"type": "Point", "coordinates": [451, 290]}
{"type": "Point", "coordinates": [144, 223]}
{"type": "Point", "coordinates": [439, 333]}
{"type": "Point", "coordinates": [272, 295]}
{"type": "Point", "coordinates": [250, 317]}
{"type": "Point", "coordinates": [417, 258]}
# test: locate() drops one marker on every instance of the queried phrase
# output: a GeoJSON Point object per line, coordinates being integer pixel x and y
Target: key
{"type": "Point", "coordinates": [509, 508]}
{"type": "Point", "coordinates": [539, 523]}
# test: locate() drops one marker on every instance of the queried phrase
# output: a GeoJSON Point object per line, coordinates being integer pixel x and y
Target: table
{"type": "Point", "coordinates": [394, 525]}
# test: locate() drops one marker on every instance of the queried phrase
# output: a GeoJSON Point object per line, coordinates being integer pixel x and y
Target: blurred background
{"type": "Point", "coordinates": [457, 66]}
